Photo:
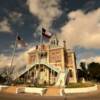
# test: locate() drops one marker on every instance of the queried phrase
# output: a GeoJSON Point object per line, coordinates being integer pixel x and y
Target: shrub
{"type": "Point", "coordinates": [79, 85]}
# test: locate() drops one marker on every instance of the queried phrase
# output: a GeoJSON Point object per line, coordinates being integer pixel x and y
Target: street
{"type": "Point", "coordinates": [28, 97]}
{"type": "Point", "coordinates": [86, 96]}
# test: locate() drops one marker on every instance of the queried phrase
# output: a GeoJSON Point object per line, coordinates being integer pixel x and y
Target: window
{"type": "Point", "coordinates": [43, 54]}
{"type": "Point", "coordinates": [55, 74]}
{"type": "Point", "coordinates": [69, 59]}
{"type": "Point", "coordinates": [70, 73]}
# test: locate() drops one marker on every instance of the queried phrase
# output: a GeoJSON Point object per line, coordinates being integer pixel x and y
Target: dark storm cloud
{"type": "Point", "coordinates": [68, 6]}
{"type": "Point", "coordinates": [15, 16]}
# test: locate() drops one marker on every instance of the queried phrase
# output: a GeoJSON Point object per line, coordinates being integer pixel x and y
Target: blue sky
{"type": "Point", "coordinates": [74, 20]}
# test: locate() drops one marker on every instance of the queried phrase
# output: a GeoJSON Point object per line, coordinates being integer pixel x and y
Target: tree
{"type": "Point", "coordinates": [94, 71]}
{"type": "Point", "coordinates": [2, 79]}
{"type": "Point", "coordinates": [80, 74]}
{"type": "Point", "coordinates": [84, 70]}
{"type": "Point", "coordinates": [7, 74]}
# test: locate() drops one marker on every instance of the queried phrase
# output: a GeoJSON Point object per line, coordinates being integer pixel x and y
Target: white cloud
{"type": "Point", "coordinates": [45, 10]}
{"type": "Point", "coordinates": [4, 60]}
{"type": "Point", "coordinates": [15, 16]}
{"type": "Point", "coordinates": [19, 60]}
{"type": "Point", "coordinates": [91, 59]}
{"type": "Point", "coordinates": [82, 29]}
{"type": "Point", "coordinates": [4, 26]}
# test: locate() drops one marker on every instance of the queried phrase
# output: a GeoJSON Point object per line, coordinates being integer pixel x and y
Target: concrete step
{"type": "Point", "coordinates": [4, 89]}
{"type": "Point", "coordinates": [11, 89]}
{"type": "Point", "coordinates": [53, 91]}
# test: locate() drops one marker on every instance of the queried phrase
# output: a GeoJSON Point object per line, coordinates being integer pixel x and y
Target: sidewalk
{"type": "Point", "coordinates": [11, 89]}
{"type": "Point", "coordinates": [53, 91]}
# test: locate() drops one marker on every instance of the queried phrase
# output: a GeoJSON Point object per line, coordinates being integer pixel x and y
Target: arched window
{"type": "Point", "coordinates": [70, 73]}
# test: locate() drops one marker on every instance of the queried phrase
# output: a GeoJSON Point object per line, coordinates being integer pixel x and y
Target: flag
{"type": "Point", "coordinates": [45, 33]}
{"type": "Point", "coordinates": [20, 42]}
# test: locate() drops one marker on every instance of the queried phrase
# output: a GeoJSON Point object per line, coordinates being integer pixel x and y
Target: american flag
{"type": "Point", "coordinates": [20, 42]}
{"type": "Point", "coordinates": [46, 33]}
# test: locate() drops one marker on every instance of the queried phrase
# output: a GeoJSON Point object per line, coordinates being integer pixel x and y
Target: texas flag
{"type": "Point", "coordinates": [20, 42]}
{"type": "Point", "coordinates": [46, 33]}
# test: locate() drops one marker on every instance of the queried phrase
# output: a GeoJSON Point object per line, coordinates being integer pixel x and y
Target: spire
{"type": "Point", "coordinates": [54, 41]}
{"type": "Point", "coordinates": [64, 43]}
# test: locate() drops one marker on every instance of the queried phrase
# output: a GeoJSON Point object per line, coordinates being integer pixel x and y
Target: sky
{"type": "Point", "coordinates": [76, 21]}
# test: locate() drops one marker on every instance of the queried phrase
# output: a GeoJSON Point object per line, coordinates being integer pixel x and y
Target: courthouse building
{"type": "Point", "coordinates": [50, 63]}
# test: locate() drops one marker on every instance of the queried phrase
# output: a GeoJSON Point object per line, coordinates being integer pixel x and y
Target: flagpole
{"type": "Point", "coordinates": [40, 52]}
{"type": "Point", "coordinates": [13, 54]}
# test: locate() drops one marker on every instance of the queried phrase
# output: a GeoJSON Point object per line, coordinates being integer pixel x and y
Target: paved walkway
{"type": "Point", "coordinates": [11, 89]}
{"type": "Point", "coordinates": [53, 91]}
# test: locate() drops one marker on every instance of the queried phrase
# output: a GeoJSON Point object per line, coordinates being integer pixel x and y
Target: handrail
{"type": "Point", "coordinates": [29, 66]}
{"type": "Point", "coordinates": [59, 76]}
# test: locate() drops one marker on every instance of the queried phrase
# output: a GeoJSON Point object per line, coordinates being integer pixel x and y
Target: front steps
{"type": "Point", "coordinates": [52, 91]}
{"type": "Point", "coordinates": [11, 89]}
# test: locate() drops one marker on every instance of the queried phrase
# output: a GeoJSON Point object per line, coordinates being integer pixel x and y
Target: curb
{"type": "Point", "coordinates": [81, 90]}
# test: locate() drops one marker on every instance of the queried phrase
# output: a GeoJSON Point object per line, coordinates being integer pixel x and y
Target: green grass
{"type": "Point", "coordinates": [79, 85]}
